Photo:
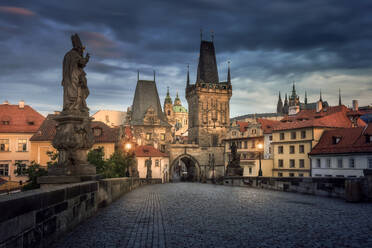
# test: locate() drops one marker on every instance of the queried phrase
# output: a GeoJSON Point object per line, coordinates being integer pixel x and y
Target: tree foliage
{"type": "Point", "coordinates": [116, 166]}
{"type": "Point", "coordinates": [33, 171]}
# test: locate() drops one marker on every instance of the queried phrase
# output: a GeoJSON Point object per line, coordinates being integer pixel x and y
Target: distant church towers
{"type": "Point", "coordinates": [208, 100]}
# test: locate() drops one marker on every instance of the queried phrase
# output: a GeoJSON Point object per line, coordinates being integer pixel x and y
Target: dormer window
{"type": "Point", "coordinates": [97, 132]}
{"type": "Point", "coordinates": [31, 123]}
{"type": "Point", "coordinates": [5, 122]}
{"type": "Point", "coordinates": [336, 140]}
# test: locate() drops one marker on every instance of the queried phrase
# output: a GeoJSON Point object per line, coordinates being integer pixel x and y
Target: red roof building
{"type": "Point", "coordinates": [148, 151]}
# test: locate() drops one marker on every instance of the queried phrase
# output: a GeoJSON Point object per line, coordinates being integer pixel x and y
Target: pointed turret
{"type": "Point", "coordinates": [168, 99]}
{"type": "Point", "coordinates": [228, 73]}
{"type": "Point", "coordinates": [320, 96]}
{"type": "Point", "coordinates": [339, 97]}
{"type": "Point", "coordinates": [279, 106]}
{"type": "Point", "coordinates": [188, 76]}
{"type": "Point", "coordinates": [285, 106]}
{"type": "Point", "coordinates": [207, 67]}
{"type": "Point", "coordinates": [154, 75]}
{"type": "Point", "coordinates": [305, 97]}
{"type": "Point", "coordinates": [177, 100]}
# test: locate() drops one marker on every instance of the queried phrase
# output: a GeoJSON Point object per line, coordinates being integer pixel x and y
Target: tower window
{"type": "Point", "coordinates": [169, 112]}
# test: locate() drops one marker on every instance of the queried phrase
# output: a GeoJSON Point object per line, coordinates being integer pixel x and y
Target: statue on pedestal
{"type": "Point", "coordinates": [233, 168]}
{"type": "Point", "coordinates": [74, 136]}
{"type": "Point", "coordinates": [148, 164]}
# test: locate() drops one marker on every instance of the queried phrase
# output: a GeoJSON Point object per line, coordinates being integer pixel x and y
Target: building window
{"type": "Point", "coordinates": [162, 136]}
{"type": "Point", "coordinates": [21, 167]}
{"type": "Point", "coordinates": [339, 163]}
{"type": "Point", "coordinates": [250, 170]}
{"type": "Point", "coordinates": [351, 163]}
{"type": "Point", "coordinates": [245, 144]}
{"type": "Point", "coordinates": [291, 174]}
{"type": "Point", "coordinates": [292, 163]}
{"type": "Point", "coordinates": [4, 169]}
{"type": "Point", "coordinates": [162, 148]}
{"type": "Point", "coordinates": [280, 149]}
{"type": "Point", "coordinates": [148, 136]}
{"type": "Point", "coordinates": [168, 112]}
{"type": "Point", "coordinates": [336, 140]}
{"type": "Point", "coordinates": [253, 144]}
{"type": "Point", "coordinates": [5, 122]}
{"type": "Point", "coordinates": [157, 163]}
{"type": "Point", "coordinates": [280, 162]}
{"type": "Point", "coordinates": [291, 149]}
{"type": "Point", "coordinates": [302, 163]}
{"type": "Point", "coordinates": [254, 131]}
{"type": "Point", "coordinates": [280, 174]}
{"type": "Point", "coordinates": [281, 136]}
{"type": "Point", "coordinates": [97, 132]}
{"type": "Point", "coordinates": [234, 133]}
{"type": "Point", "coordinates": [303, 134]}
{"type": "Point", "coordinates": [318, 165]}
{"type": "Point", "coordinates": [293, 135]}
{"type": "Point", "coordinates": [302, 149]}
{"type": "Point", "coordinates": [215, 140]}
{"type": "Point", "coordinates": [4, 145]}
{"type": "Point", "coordinates": [328, 163]}
{"type": "Point", "coordinates": [369, 163]}
{"type": "Point", "coordinates": [270, 137]}
{"type": "Point", "coordinates": [22, 145]}
{"type": "Point", "coordinates": [300, 174]}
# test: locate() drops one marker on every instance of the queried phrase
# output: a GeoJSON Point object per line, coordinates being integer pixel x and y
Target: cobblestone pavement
{"type": "Point", "coordinates": [203, 215]}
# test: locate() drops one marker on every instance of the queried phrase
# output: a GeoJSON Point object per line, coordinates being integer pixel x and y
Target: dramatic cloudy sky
{"type": "Point", "coordinates": [320, 44]}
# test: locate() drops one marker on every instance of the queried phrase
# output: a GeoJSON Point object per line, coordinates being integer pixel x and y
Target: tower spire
{"type": "Point", "coordinates": [339, 97]}
{"type": "Point", "coordinates": [228, 73]}
{"type": "Point", "coordinates": [188, 75]}
{"type": "Point", "coordinates": [154, 75]}
{"type": "Point", "coordinates": [320, 95]}
{"type": "Point", "coordinates": [305, 97]}
{"type": "Point", "coordinates": [137, 75]}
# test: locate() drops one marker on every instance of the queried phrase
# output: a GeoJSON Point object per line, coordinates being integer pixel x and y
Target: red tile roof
{"type": "Point", "coordinates": [242, 125]}
{"type": "Point", "coordinates": [21, 120]}
{"type": "Point", "coordinates": [148, 151]}
{"type": "Point", "coordinates": [47, 131]}
{"type": "Point", "coordinates": [335, 117]}
{"type": "Point", "coordinates": [352, 140]}
{"type": "Point", "coordinates": [268, 125]}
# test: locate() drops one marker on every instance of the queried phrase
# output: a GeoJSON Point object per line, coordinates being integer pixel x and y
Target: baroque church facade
{"type": "Point", "coordinates": [177, 116]}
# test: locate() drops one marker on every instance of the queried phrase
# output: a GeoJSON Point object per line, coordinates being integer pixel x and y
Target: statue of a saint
{"type": "Point", "coordinates": [74, 82]}
{"type": "Point", "coordinates": [148, 164]}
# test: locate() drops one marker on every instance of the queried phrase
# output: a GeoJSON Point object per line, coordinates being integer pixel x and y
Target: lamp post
{"type": "Point", "coordinates": [260, 146]}
{"type": "Point", "coordinates": [213, 167]}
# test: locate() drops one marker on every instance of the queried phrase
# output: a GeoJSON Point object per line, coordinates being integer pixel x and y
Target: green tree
{"type": "Point", "coordinates": [33, 171]}
{"type": "Point", "coordinates": [96, 157]}
{"type": "Point", "coordinates": [119, 164]}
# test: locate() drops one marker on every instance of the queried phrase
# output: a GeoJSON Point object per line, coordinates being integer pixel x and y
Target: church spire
{"type": "Point", "coordinates": [137, 75]}
{"type": "Point", "coordinates": [279, 106]}
{"type": "Point", "coordinates": [294, 91]}
{"type": "Point", "coordinates": [320, 96]}
{"type": "Point", "coordinates": [339, 97]}
{"type": "Point", "coordinates": [228, 73]}
{"type": "Point", "coordinates": [207, 66]}
{"type": "Point", "coordinates": [154, 75]}
{"type": "Point", "coordinates": [305, 97]}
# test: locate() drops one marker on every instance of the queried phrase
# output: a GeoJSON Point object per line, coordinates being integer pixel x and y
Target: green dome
{"type": "Point", "coordinates": [179, 109]}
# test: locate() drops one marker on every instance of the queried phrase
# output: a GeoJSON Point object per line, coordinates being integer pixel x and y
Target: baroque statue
{"type": "Point", "coordinates": [74, 82]}
{"type": "Point", "coordinates": [148, 164]}
{"type": "Point", "coordinates": [233, 168]}
{"type": "Point", "coordinates": [74, 136]}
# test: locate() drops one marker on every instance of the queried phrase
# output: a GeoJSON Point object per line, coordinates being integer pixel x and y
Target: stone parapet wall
{"type": "Point", "coordinates": [38, 217]}
{"type": "Point", "coordinates": [330, 187]}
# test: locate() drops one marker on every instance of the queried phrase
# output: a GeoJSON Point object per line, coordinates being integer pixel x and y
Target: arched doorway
{"type": "Point", "coordinates": [185, 168]}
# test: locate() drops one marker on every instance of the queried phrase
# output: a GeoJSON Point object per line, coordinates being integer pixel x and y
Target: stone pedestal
{"type": "Point", "coordinates": [73, 139]}
{"type": "Point", "coordinates": [234, 171]}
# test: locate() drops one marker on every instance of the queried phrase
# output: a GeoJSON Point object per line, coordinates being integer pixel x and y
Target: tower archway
{"type": "Point", "coordinates": [184, 168]}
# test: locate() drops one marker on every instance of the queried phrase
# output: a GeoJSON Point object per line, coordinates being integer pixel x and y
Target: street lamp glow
{"type": "Point", "coordinates": [260, 146]}
{"type": "Point", "coordinates": [128, 146]}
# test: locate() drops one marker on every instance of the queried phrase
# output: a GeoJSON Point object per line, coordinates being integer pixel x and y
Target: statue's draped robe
{"type": "Point", "coordinates": [74, 82]}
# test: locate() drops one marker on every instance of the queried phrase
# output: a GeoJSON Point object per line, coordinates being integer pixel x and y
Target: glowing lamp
{"type": "Point", "coordinates": [260, 146]}
{"type": "Point", "coordinates": [128, 146]}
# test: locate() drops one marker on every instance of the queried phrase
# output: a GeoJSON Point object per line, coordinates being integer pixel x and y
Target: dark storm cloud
{"type": "Point", "coordinates": [270, 44]}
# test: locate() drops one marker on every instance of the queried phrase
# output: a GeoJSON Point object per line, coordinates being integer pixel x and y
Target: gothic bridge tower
{"type": "Point", "coordinates": [208, 100]}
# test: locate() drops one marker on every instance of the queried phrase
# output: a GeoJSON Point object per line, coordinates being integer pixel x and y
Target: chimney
{"type": "Point", "coordinates": [21, 104]}
{"type": "Point", "coordinates": [319, 106]}
{"type": "Point", "coordinates": [355, 105]}
{"type": "Point", "coordinates": [6, 102]}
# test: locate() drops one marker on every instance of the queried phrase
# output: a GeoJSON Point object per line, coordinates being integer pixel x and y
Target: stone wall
{"type": "Point", "coordinates": [331, 187]}
{"type": "Point", "coordinates": [36, 218]}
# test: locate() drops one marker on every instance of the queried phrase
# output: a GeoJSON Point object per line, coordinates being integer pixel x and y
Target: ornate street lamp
{"type": "Point", "coordinates": [260, 146]}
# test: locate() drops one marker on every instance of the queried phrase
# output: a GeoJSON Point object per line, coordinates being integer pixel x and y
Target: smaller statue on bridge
{"type": "Point", "coordinates": [148, 164]}
{"type": "Point", "coordinates": [233, 168]}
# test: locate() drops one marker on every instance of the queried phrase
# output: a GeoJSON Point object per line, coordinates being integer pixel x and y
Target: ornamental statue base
{"type": "Point", "coordinates": [234, 171]}
{"type": "Point", "coordinates": [73, 139]}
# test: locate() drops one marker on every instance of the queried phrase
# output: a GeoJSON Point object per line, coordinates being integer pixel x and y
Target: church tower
{"type": "Point", "coordinates": [168, 106]}
{"type": "Point", "coordinates": [279, 106]}
{"type": "Point", "coordinates": [208, 100]}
